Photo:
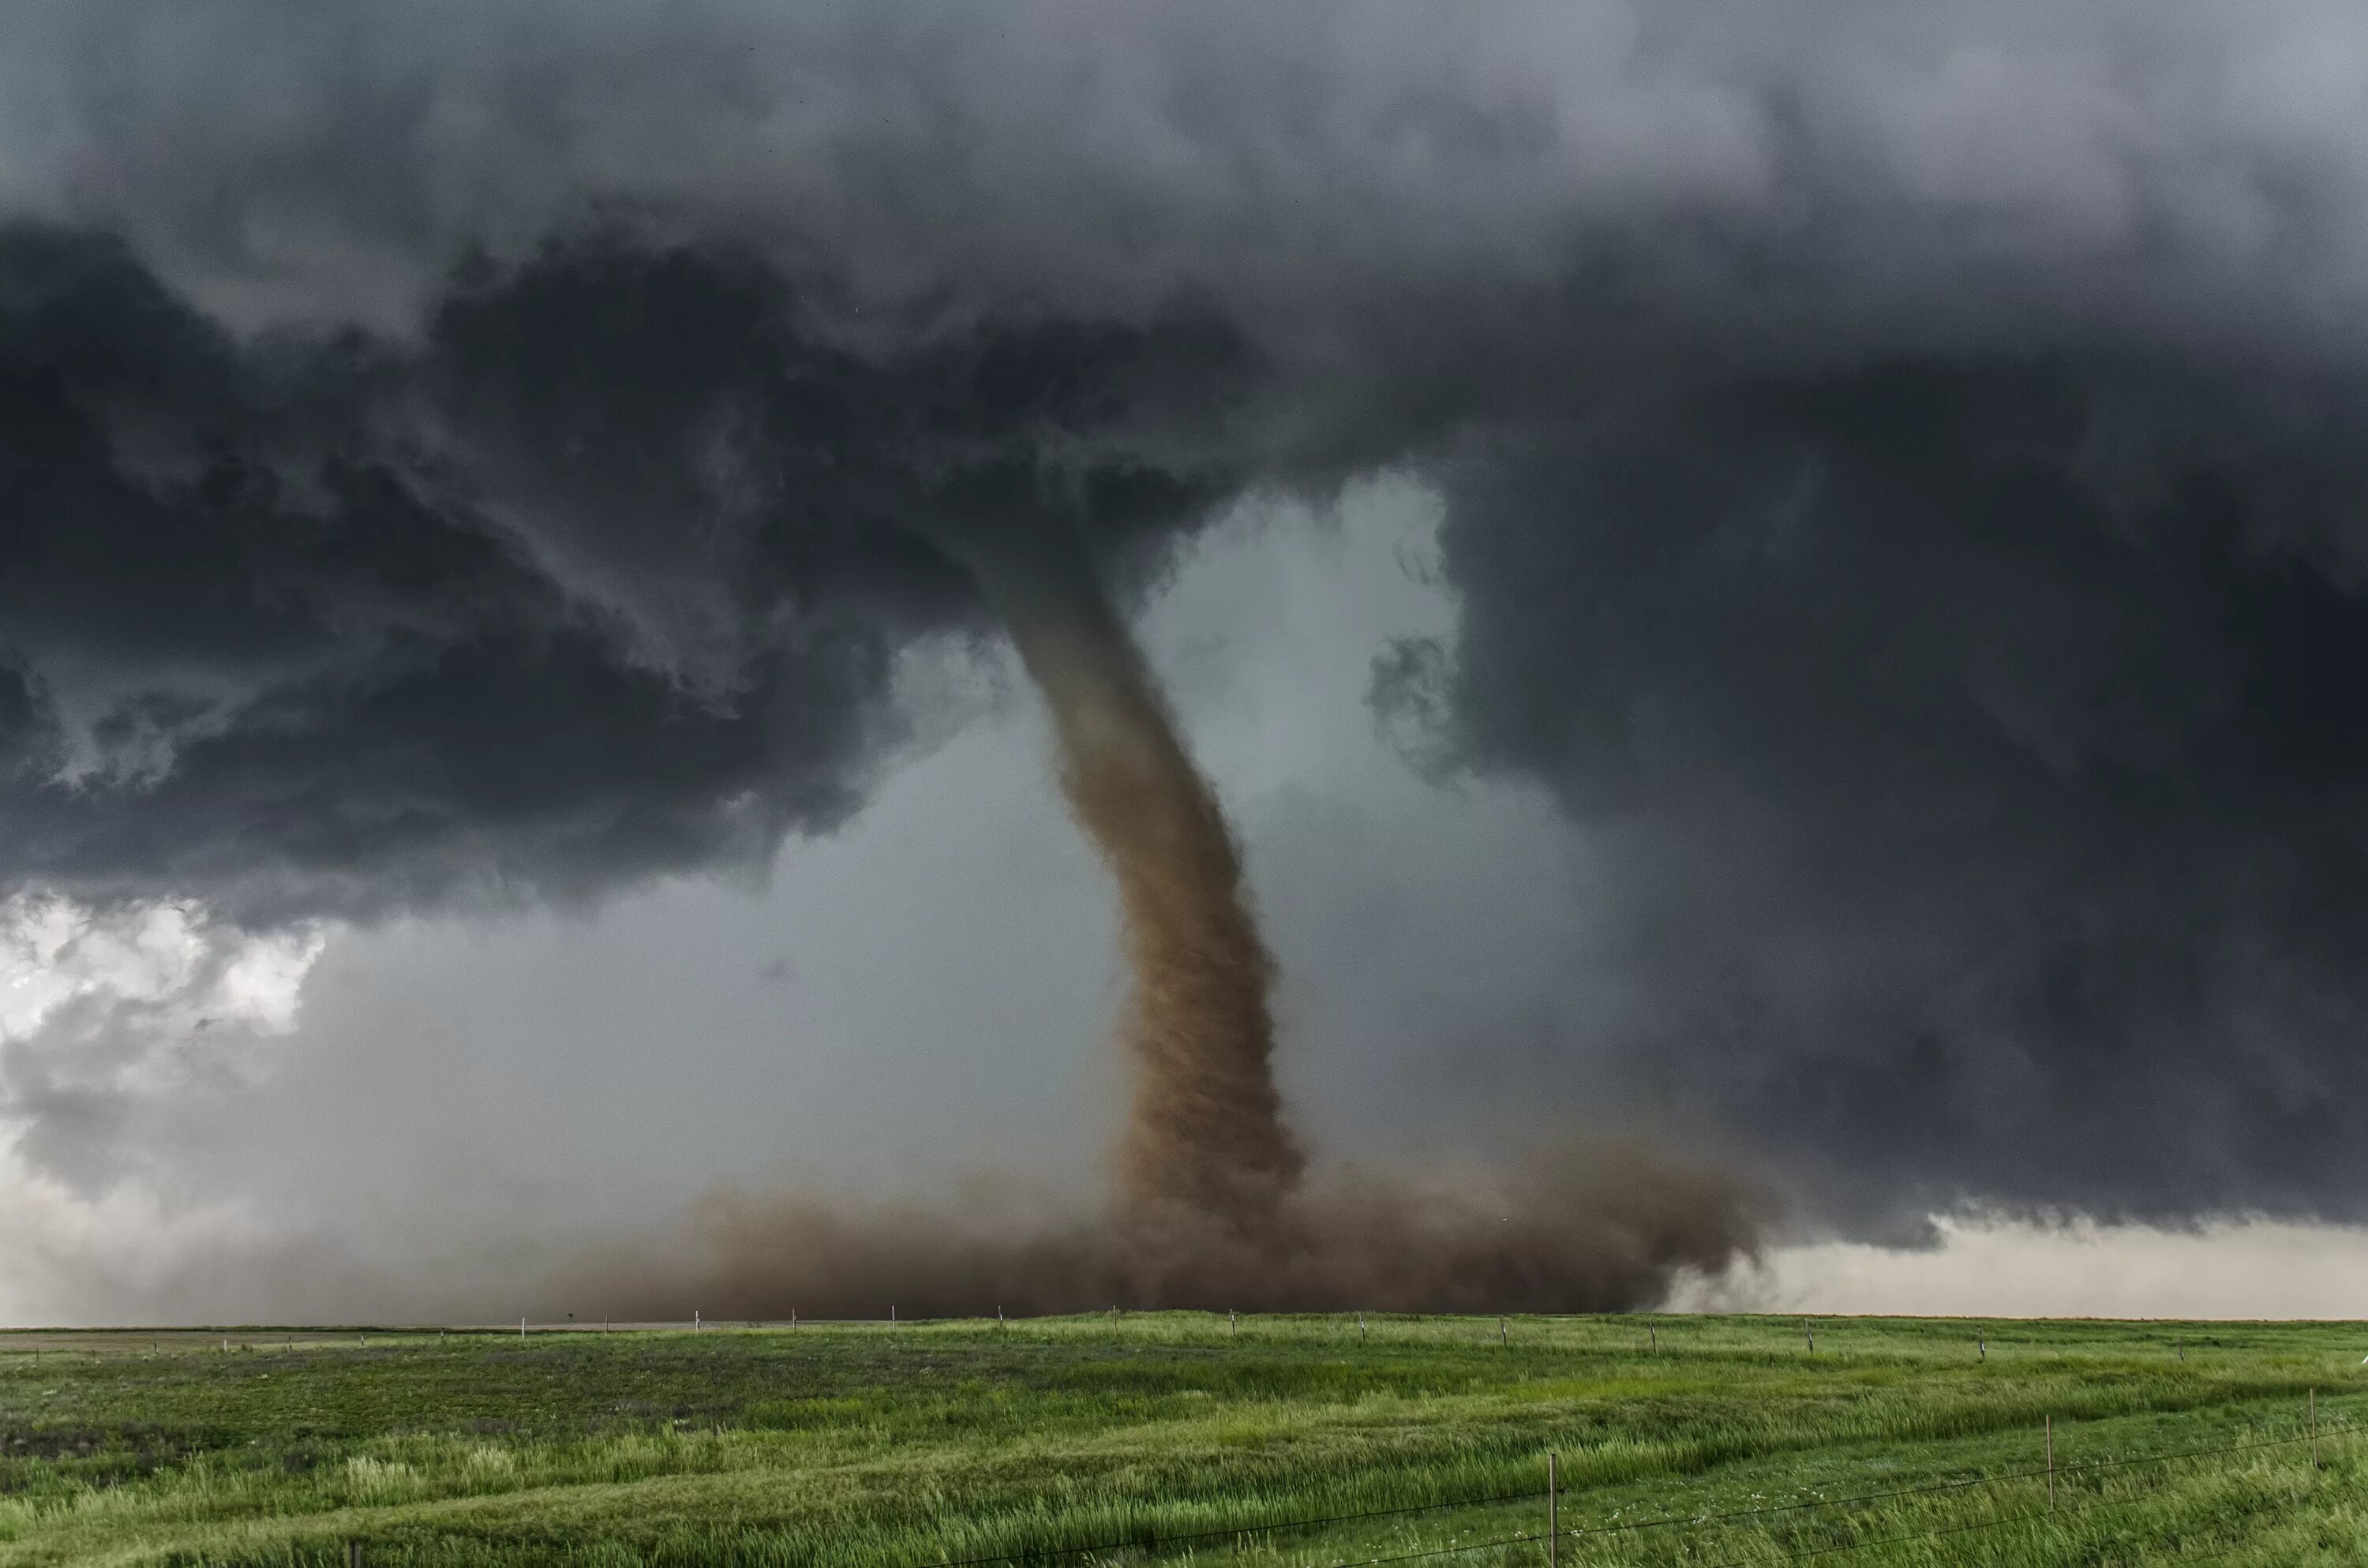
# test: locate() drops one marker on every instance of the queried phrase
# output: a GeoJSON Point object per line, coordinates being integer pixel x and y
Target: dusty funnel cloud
{"type": "Point", "coordinates": [1204, 1138]}
{"type": "Point", "coordinates": [1213, 1204]}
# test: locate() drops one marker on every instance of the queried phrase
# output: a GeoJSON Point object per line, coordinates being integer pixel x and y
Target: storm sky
{"type": "Point", "coordinates": [1783, 580]}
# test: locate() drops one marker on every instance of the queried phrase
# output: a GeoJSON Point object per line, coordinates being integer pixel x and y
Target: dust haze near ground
{"type": "Point", "coordinates": [1581, 1229]}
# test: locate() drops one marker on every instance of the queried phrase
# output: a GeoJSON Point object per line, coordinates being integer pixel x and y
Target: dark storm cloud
{"type": "Point", "coordinates": [606, 577]}
{"type": "Point", "coordinates": [1901, 470]}
{"type": "Point", "coordinates": [1975, 763]}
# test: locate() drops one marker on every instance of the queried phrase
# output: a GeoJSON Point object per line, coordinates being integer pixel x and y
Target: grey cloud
{"type": "Point", "coordinates": [1797, 176]}
{"type": "Point", "coordinates": [608, 578]}
{"type": "Point", "coordinates": [125, 1008]}
{"type": "Point", "coordinates": [1901, 469]}
{"type": "Point", "coordinates": [1972, 761]}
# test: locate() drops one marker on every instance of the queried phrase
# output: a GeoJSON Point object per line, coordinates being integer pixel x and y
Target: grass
{"type": "Point", "coordinates": [928, 1443]}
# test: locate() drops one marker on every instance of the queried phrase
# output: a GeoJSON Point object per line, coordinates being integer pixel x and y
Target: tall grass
{"type": "Point", "coordinates": [937, 1442]}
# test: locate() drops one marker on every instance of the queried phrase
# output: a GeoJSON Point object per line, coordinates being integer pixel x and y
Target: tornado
{"type": "Point", "coordinates": [1205, 1143]}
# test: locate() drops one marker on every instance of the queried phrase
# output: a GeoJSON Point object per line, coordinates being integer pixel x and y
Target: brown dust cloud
{"type": "Point", "coordinates": [1214, 1204]}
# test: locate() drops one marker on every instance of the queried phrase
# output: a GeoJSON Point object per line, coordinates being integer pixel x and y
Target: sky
{"type": "Point", "coordinates": [1777, 584]}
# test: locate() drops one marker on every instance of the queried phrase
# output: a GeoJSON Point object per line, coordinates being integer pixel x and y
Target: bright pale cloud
{"type": "Point", "coordinates": [1997, 1270]}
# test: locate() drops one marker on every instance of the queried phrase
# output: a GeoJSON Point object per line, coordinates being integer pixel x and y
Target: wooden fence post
{"type": "Point", "coordinates": [1554, 1511]}
{"type": "Point", "coordinates": [2050, 1461]}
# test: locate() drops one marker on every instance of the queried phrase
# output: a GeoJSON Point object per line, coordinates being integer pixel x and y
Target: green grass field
{"type": "Point", "coordinates": [952, 1441]}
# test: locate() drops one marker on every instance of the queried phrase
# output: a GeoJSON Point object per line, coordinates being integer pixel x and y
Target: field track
{"type": "Point", "coordinates": [1298, 1442]}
